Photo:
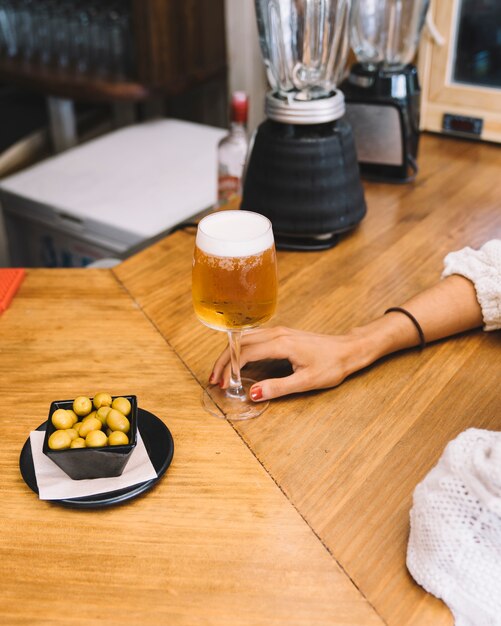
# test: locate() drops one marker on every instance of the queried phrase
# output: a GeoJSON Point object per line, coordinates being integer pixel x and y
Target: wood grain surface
{"type": "Point", "coordinates": [349, 458]}
{"type": "Point", "coordinates": [215, 542]}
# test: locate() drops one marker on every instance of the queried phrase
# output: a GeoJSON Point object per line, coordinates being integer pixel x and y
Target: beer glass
{"type": "Point", "coordinates": [234, 288]}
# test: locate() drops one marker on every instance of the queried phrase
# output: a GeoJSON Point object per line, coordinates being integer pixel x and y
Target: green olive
{"type": "Point", "coordinates": [117, 421]}
{"type": "Point", "coordinates": [78, 443]}
{"type": "Point", "coordinates": [82, 405]}
{"type": "Point", "coordinates": [96, 439]}
{"type": "Point", "coordinates": [73, 415]}
{"type": "Point", "coordinates": [102, 399]}
{"type": "Point", "coordinates": [59, 440]}
{"type": "Point", "coordinates": [62, 419]}
{"type": "Point", "coordinates": [121, 404]}
{"type": "Point", "coordinates": [102, 413]}
{"type": "Point", "coordinates": [72, 433]}
{"type": "Point", "coordinates": [118, 438]}
{"type": "Point", "coordinates": [88, 425]}
{"type": "Point", "coordinates": [91, 415]}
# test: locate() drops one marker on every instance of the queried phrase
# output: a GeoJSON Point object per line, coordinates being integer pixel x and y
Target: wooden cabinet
{"type": "Point", "coordinates": [174, 46]}
{"type": "Point", "coordinates": [180, 43]}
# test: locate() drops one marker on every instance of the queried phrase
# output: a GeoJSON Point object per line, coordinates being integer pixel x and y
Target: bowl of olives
{"type": "Point", "coordinates": [92, 437]}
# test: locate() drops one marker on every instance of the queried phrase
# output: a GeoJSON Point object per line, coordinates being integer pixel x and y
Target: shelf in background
{"type": "Point", "coordinates": [66, 84]}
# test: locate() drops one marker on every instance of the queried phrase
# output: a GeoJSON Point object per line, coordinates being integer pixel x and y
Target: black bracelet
{"type": "Point", "coordinates": [398, 309]}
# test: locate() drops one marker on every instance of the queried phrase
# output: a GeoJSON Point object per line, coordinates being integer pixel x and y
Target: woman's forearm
{"type": "Point", "coordinates": [447, 308]}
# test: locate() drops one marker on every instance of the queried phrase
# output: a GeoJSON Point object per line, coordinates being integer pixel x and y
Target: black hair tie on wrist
{"type": "Point", "coordinates": [398, 309]}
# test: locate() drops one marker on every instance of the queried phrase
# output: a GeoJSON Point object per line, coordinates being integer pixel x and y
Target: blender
{"type": "Point", "coordinates": [382, 90]}
{"type": "Point", "coordinates": [302, 170]}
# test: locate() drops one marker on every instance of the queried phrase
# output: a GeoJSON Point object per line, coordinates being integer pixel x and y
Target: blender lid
{"type": "Point", "coordinates": [292, 111]}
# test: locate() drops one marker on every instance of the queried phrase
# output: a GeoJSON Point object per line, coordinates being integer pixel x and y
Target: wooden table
{"type": "Point", "coordinates": [215, 542]}
{"type": "Point", "coordinates": [297, 517]}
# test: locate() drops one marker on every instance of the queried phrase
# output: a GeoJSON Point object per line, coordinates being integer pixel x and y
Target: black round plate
{"type": "Point", "coordinates": [159, 445]}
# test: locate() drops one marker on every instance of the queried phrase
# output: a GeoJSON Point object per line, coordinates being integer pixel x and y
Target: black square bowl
{"type": "Point", "coordinates": [81, 463]}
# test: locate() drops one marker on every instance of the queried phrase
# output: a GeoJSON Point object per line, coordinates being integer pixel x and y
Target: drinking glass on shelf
{"type": "Point", "coordinates": [234, 287]}
{"type": "Point", "coordinates": [25, 29]}
{"type": "Point", "coordinates": [60, 35]}
{"type": "Point", "coordinates": [8, 31]}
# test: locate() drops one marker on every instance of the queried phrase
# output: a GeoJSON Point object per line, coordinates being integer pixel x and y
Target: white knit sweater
{"type": "Point", "coordinates": [483, 268]}
{"type": "Point", "coordinates": [454, 548]}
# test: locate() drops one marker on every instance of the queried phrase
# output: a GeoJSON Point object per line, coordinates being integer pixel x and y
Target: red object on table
{"type": "Point", "coordinates": [10, 279]}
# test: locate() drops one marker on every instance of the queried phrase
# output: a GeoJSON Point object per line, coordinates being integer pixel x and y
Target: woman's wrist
{"type": "Point", "coordinates": [383, 336]}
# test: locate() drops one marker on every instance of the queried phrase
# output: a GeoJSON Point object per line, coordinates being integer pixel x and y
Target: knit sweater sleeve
{"type": "Point", "coordinates": [483, 268]}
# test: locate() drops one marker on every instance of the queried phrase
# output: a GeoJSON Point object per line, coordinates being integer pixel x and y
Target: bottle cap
{"type": "Point", "coordinates": [239, 106]}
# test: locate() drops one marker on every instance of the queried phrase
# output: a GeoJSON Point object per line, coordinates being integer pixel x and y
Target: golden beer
{"type": "Point", "coordinates": [234, 293]}
{"type": "Point", "coordinates": [234, 279]}
{"type": "Point", "coordinates": [234, 287]}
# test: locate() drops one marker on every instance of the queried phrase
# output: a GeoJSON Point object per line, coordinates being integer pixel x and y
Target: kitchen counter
{"type": "Point", "coordinates": [297, 517]}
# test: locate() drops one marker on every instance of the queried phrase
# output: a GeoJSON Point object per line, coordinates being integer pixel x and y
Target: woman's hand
{"type": "Point", "coordinates": [318, 361]}
{"type": "Point", "coordinates": [322, 361]}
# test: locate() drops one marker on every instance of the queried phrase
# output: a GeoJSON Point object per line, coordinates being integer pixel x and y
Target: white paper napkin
{"type": "Point", "coordinates": [54, 484]}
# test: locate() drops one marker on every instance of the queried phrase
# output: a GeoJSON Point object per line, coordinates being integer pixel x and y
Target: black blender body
{"type": "Point", "coordinates": [383, 108]}
{"type": "Point", "coordinates": [302, 171]}
{"type": "Point", "coordinates": [305, 179]}
{"type": "Point", "coordinates": [382, 90]}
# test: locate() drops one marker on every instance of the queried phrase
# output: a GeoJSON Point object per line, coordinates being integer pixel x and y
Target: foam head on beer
{"type": "Point", "coordinates": [234, 280]}
{"type": "Point", "coordinates": [234, 234]}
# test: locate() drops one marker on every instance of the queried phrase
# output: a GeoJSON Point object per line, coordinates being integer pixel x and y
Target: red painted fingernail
{"type": "Point", "coordinates": [256, 393]}
{"type": "Point", "coordinates": [221, 383]}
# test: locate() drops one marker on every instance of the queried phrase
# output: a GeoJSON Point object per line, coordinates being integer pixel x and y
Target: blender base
{"type": "Point", "coordinates": [306, 243]}
{"type": "Point", "coordinates": [382, 107]}
{"type": "Point", "coordinates": [306, 180]}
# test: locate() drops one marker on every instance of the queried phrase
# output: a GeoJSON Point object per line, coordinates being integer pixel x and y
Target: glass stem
{"type": "Point", "coordinates": [235, 389]}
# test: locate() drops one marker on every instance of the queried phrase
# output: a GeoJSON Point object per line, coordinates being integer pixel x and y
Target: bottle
{"type": "Point", "coordinates": [232, 153]}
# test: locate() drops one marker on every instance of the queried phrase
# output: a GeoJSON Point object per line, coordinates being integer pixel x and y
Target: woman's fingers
{"type": "Point", "coordinates": [276, 387]}
{"type": "Point", "coordinates": [264, 339]}
{"type": "Point", "coordinates": [279, 348]}
{"type": "Point", "coordinates": [219, 366]}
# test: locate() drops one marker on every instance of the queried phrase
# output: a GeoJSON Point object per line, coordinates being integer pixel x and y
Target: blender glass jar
{"type": "Point", "coordinates": [386, 32]}
{"type": "Point", "coordinates": [304, 44]}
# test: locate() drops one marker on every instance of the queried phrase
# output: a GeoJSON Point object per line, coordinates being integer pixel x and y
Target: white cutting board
{"type": "Point", "coordinates": [142, 179]}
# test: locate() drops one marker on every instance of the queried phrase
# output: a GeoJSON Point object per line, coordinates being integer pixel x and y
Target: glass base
{"type": "Point", "coordinates": [217, 402]}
